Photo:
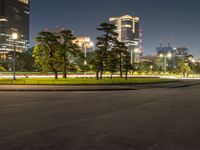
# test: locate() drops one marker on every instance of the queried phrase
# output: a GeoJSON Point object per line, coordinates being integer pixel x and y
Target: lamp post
{"type": "Point", "coordinates": [134, 52]}
{"type": "Point", "coordinates": [14, 37]}
{"type": "Point", "coordinates": [165, 56]}
{"type": "Point", "coordinates": [85, 45]}
{"type": "Point", "coordinates": [151, 68]}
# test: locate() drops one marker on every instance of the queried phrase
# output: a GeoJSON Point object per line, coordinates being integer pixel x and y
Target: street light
{"type": "Point", "coordinates": [169, 55]}
{"type": "Point", "coordinates": [86, 45]}
{"type": "Point", "coordinates": [165, 56]}
{"type": "Point", "coordinates": [193, 60]}
{"type": "Point", "coordinates": [151, 68]}
{"type": "Point", "coordinates": [134, 51]}
{"type": "Point", "coordinates": [161, 55]}
{"type": "Point", "coordinates": [14, 37]}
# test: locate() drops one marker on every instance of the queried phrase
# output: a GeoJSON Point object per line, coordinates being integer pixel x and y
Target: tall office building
{"type": "Point", "coordinates": [129, 32]}
{"type": "Point", "coordinates": [181, 52]}
{"type": "Point", "coordinates": [14, 18]}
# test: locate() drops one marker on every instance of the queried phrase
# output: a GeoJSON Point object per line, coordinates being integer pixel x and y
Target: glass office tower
{"type": "Point", "coordinates": [14, 18]}
{"type": "Point", "coordinates": [129, 32]}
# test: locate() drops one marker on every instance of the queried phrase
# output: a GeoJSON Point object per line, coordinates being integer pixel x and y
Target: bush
{"type": "Point", "coordinates": [2, 68]}
{"type": "Point", "coordinates": [143, 73]}
{"type": "Point", "coordinates": [107, 73]}
{"type": "Point", "coordinates": [167, 73]}
{"type": "Point", "coordinates": [135, 73]}
{"type": "Point", "coordinates": [156, 73]}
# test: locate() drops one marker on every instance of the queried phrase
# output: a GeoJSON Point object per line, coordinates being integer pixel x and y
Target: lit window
{"type": "Point", "coordinates": [24, 1]}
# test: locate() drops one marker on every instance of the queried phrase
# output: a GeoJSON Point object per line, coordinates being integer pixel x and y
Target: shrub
{"type": "Point", "coordinates": [143, 73]}
{"type": "Point", "coordinates": [107, 73]}
{"type": "Point", "coordinates": [135, 73]}
{"type": "Point", "coordinates": [2, 68]}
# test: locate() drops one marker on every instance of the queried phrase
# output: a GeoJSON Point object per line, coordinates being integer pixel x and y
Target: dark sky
{"type": "Point", "coordinates": [179, 19]}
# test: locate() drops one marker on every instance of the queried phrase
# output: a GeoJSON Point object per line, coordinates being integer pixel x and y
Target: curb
{"type": "Point", "coordinates": [63, 90]}
{"type": "Point", "coordinates": [185, 85]}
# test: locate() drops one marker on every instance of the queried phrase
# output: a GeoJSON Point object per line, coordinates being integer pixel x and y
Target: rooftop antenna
{"type": "Point", "coordinates": [169, 42]}
{"type": "Point", "coordinates": [161, 41]}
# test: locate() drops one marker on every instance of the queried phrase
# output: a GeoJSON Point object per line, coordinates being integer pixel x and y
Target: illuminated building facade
{"type": "Point", "coordinates": [14, 18]}
{"type": "Point", "coordinates": [181, 52]}
{"type": "Point", "coordinates": [129, 32]}
{"type": "Point", "coordinates": [165, 50]}
{"type": "Point", "coordinates": [85, 43]}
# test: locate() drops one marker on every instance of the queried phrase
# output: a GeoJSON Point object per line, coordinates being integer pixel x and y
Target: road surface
{"type": "Point", "coordinates": [148, 119]}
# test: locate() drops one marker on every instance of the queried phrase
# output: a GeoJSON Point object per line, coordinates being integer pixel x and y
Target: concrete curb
{"type": "Point", "coordinates": [65, 88]}
{"type": "Point", "coordinates": [46, 88]}
{"type": "Point", "coordinates": [184, 85]}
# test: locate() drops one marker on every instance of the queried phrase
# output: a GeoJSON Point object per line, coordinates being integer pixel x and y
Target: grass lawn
{"type": "Point", "coordinates": [82, 81]}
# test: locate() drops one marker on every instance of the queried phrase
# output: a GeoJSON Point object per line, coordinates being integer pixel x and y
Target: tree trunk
{"type": "Point", "coordinates": [111, 76]}
{"type": "Point", "coordinates": [64, 68]}
{"type": "Point", "coordinates": [121, 74]}
{"type": "Point", "coordinates": [51, 55]}
{"type": "Point", "coordinates": [64, 74]}
{"type": "Point", "coordinates": [97, 74]}
{"type": "Point", "coordinates": [126, 76]}
{"type": "Point", "coordinates": [120, 66]}
{"type": "Point", "coordinates": [55, 73]}
{"type": "Point", "coordinates": [101, 74]}
{"type": "Point", "coordinates": [101, 71]}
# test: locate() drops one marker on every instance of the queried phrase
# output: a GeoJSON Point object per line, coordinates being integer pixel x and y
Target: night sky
{"type": "Point", "coordinates": [179, 19]}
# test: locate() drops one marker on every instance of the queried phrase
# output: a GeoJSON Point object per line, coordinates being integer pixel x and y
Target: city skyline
{"type": "Point", "coordinates": [158, 18]}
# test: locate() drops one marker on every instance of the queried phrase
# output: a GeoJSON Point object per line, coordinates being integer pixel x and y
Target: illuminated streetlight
{"type": "Point", "coordinates": [151, 68]}
{"type": "Point", "coordinates": [14, 37]}
{"type": "Point", "coordinates": [169, 55]}
{"type": "Point", "coordinates": [136, 50]}
{"type": "Point", "coordinates": [133, 54]}
{"type": "Point", "coordinates": [165, 56]}
{"type": "Point", "coordinates": [161, 55]}
{"type": "Point", "coordinates": [193, 60]}
{"type": "Point", "coordinates": [91, 44]}
{"type": "Point", "coordinates": [87, 44]}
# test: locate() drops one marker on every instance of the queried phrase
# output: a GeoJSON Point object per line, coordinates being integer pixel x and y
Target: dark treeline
{"type": "Point", "coordinates": [58, 52]}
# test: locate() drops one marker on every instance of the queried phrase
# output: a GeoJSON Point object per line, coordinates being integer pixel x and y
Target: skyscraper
{"type": "Point", "coordinates": [14, 18]}
{"type": "Point", "coordinates": [129, 32]}
{"type": "Point", "coordinates": [181, 52]}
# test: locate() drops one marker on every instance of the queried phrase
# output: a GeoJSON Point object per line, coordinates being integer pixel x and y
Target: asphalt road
{"type": "Point", "coordinates": [149, 119]}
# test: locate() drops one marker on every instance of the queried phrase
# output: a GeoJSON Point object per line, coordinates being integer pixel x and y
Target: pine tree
{"type": "Point", "coordinates": [104, 44]}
